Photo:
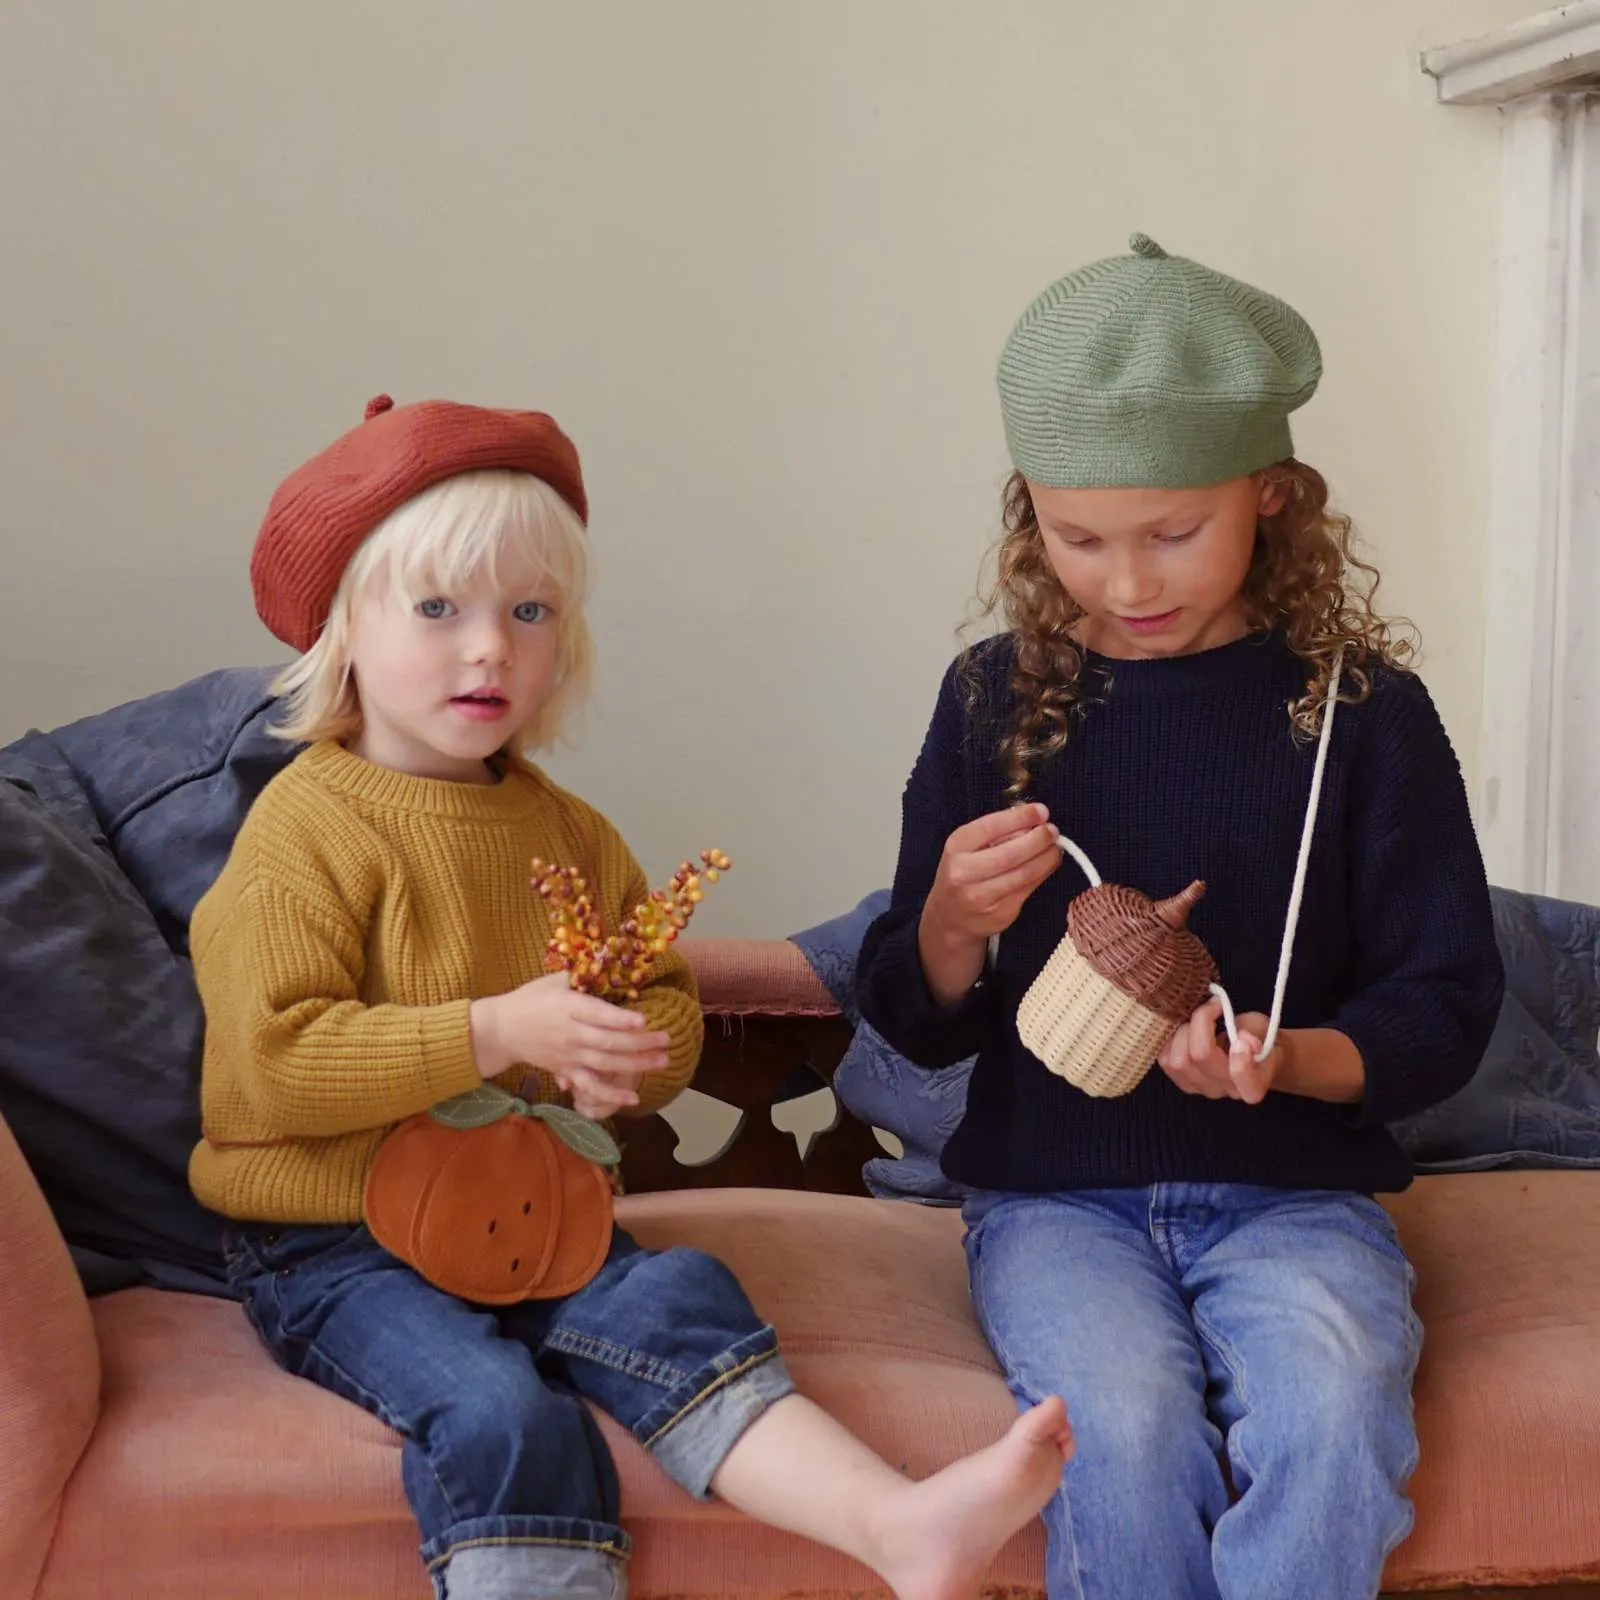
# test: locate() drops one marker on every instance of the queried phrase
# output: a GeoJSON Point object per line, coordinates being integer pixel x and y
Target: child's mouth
{"type": "Point", "coordinates": [486, 706]}
{"type": "Point", "coordinates": [1151, 624]}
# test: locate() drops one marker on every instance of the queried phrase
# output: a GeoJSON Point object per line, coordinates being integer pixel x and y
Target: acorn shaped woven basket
{"type": "Point", "coordinates": [1127, 975]}
{"type": "Point", "coordinates": [1129, 972]}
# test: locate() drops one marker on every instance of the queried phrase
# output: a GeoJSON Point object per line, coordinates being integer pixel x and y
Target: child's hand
{"type": "Point", "coordinates": [989, 868]}
{"type": "Point", "coordinates": [1199, 1063]}
{"type": "Point", "coordinates": [576, 1038]}
{"type": "Point", "coordinates": [596, 1097]}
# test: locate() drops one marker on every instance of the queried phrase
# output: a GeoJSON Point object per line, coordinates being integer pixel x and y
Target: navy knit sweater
{"type": "Point", "coordinates": [1188, 768]}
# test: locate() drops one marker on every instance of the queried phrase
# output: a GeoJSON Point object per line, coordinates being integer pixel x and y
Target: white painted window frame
{"type": "Point", "coordinates": [1538, 795]}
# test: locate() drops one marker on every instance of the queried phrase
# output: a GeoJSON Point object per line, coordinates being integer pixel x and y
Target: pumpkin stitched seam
{"type": "Point", "coordinates": [715, 1386]}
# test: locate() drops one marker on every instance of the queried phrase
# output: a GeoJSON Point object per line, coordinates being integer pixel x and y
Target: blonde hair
{"type": "Point", "coordinates": [1305, 582]}
{"type": "Point", "coordinates": [441, 540]}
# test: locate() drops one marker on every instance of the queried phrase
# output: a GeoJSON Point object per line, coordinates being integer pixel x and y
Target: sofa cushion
{"type": "Point", "coordinates": [49, 1371]}
{"type": "Point", "coordinates": [99, 1054]}
{"type": "Point", "coordinates": [1535, 1100]}
{"type": "Point", "coordinates": [879, 1086]}
{"type": "Point", "coordinates": [213, 1473]}
{"type": "Point", "coordinates": [110, 830]}
{"type": "Point", "coordinates": [1508, 1392]}
{"type": "Point", "coordinates": [164, 781]}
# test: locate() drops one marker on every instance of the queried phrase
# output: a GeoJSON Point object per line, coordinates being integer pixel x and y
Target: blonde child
{"type": "Point", "coordinates": [373, 949]}
{"type": "Point", "coordinates": [1198, 1266]}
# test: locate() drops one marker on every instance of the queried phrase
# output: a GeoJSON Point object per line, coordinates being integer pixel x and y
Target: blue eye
{"type": "Point", "coordinates": [435, 608]}
{"type": "Point", "coordinates": [531, 611]}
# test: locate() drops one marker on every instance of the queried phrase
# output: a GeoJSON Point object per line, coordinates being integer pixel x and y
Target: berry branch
{"type": "Point", "coordinates": [615, 966]}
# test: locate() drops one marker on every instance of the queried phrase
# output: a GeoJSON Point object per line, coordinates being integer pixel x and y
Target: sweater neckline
{"type": "Point", "coordinates": [1205, 670]}
{"type": "Point", "coordinates": [338, 769]}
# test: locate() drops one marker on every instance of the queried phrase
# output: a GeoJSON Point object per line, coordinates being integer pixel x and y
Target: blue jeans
{"type": "Point", "coordinates": [507, 1474]}
{"type": "Point", "coordinates": [1183, 1319]}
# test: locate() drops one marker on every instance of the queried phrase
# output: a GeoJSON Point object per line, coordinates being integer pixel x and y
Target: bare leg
{"type": "Point", "coordinates": [798, 1469]}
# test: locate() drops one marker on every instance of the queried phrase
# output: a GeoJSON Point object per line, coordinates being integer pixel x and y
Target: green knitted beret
{"type": "Point", "coordinates": [1150, 371]}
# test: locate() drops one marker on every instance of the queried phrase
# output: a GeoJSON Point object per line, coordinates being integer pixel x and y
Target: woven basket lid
{"type": "Point", "coordinates": [1144, 946]}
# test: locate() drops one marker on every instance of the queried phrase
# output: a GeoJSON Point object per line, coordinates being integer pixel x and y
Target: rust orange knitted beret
{"type": "Point", "coordinates": [322, 512]}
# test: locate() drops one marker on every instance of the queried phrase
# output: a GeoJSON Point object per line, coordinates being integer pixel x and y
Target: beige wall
{"type": "Point", "coordinates": [759, 259]}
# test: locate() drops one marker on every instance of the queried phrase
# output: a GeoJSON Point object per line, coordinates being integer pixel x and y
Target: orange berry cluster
{"type": "Point", "coordinates": [615, 966]}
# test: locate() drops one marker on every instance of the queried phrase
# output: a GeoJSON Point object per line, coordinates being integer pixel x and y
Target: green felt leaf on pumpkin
{"type": "Point", "coordinates": [477, 1108]}
{"type": "Point", "coordinates": [587, 1139]}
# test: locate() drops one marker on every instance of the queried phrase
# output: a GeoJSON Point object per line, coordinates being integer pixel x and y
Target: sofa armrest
{"type": "Point", "coordinates": [756, 977]}
{"type": "Point", "coordinates": [49, 1371]}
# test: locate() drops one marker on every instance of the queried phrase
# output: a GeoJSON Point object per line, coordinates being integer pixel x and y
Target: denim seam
{"type": "Point", "coordinates": [1234, 1362]}
{"type": "Point", "coordinates": [609, 1548]}
{"type": "Point", "coordinates": [1416, 1333]}
{"type": "Point", "coordinates": [371, 1402]}
{"type": "Point", "coordinates": [1414, 1337]}
{"type": "Point", "coordinates": [375, 1404]}
{"type": "Point", "coordinates": [1160, 1232]}
{"type": "Point", "coordinates": [975, 1275]}
{"type": "Point", "coordinates": [620, 1359]}
{"type": "Point", "coordinates": [749, 1364]}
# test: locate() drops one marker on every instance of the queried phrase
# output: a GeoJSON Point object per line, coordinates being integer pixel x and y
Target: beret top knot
{"type": "Point", "coordinates": [1152, 371]}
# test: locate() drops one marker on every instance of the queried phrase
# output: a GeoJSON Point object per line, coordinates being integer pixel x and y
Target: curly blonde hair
{"type": "Point", "coordinates": [1305, 581]}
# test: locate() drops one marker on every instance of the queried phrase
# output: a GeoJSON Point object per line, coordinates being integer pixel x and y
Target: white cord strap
{"type": "Point", "coordinates": [1292, 921]}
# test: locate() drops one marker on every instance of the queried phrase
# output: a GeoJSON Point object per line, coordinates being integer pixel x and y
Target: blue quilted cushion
{"type": "Point", "coordinates": [110, 830]}
{"type": "Point", "coordinates": [1535, 1101]}
{"type": "Point", "coordinates": [876, 1084]}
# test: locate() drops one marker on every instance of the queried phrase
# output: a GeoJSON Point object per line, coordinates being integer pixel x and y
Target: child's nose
{"type": "Point", "coordinates": [488, 642]}
{"type": "Point", "coordinates": [1132, 583]}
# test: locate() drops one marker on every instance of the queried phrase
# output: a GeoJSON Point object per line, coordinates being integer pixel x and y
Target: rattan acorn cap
{"type": "Point", "coordinates": [1144, 947]}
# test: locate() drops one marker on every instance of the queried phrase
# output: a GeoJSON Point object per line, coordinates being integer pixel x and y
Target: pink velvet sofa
{"type": "Point", "coordinates": [149, 1448]}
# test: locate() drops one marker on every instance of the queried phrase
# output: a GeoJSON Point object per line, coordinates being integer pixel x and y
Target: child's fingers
{"type": "Point", "coordinates": [1020, 882]}
{"type": "Point", "coordinates": [983, 868]}
{"type": "Point", "coordinates": [991, 830]}
{"type": "Point", "coordinates": [1175, 1054]}
{"type": "Point", "coordinates": [1191, 1079]}
{"type": "Point", "coordinates": [1249, 1075]}
{"type": "Point", "coordinates": [595, 1110]}
{"type": "Point", "coordinates": [593, 1012]}
{"type": "Point", "coordinates": [599, 1096]}
{"type": "Point", "coordinates": [1203, 1030]}
{"type": "Point", "coordinates": [637, 1043]}
{"type": "Point", "coordinates": [608, 1062]}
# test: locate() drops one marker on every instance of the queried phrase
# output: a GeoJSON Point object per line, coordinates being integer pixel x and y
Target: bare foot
{"type": "Point", "coordinates": [940, 1538]}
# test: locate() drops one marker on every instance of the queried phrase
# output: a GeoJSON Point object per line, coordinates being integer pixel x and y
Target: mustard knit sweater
{"type": "Point", "coordinates": [360, 912]}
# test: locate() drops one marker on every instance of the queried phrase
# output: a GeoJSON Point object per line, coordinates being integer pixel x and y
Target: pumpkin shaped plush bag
{"type": "Point", "coordinates": [497, 1200]}
{"type": "Point", "coordinates": [493, 1199]}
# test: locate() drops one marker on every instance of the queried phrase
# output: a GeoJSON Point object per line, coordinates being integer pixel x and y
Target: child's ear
{"type": "Point", "coordinates": [1273, 496]}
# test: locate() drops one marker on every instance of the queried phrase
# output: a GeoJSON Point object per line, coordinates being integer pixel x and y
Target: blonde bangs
{"type": "Point", "coordinates": [474, 525]}
{"type": "Point", "coordinates": [488, 523]}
